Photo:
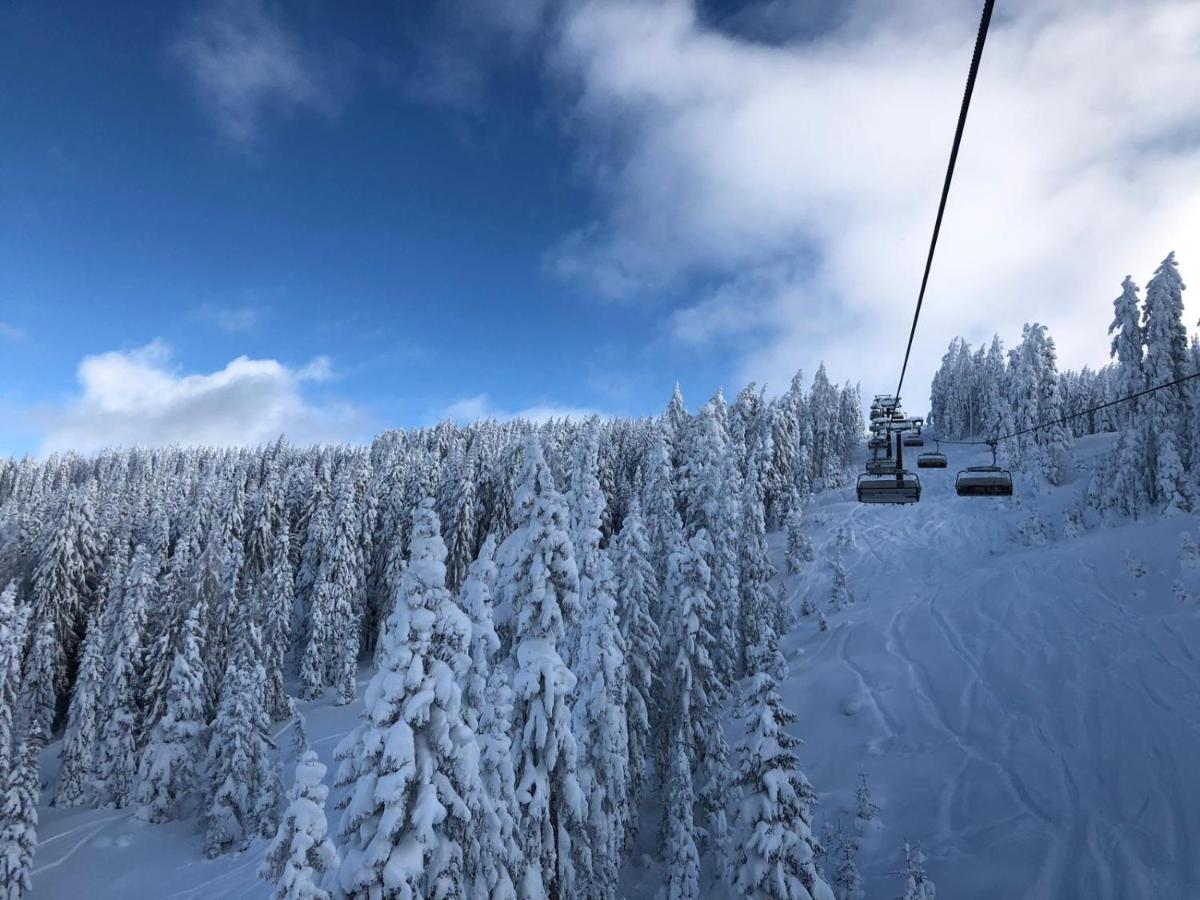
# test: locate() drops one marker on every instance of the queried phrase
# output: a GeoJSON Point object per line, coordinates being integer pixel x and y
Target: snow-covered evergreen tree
{"type": "Point", "coordinates": [412, 762]}
{"type": "Point", "coordinates": [19, 820]}
{"type": "Point", "coordinates": [680, 854]}
{"type": "Point", "coordinates": [116, 758]}
{"type": "Point", "coordinates": [331, 651]}
{"type": "Point", "coordinates": [917, 885]}
{"type": "Point", "coordinates": [168, 763]}
{"type": "Point", "coordinates": [277, 597]}
{"type": "Point", "coordinates": [300, 854]}
{"type": "Point", "coordinates": [242, 796]}
{"type": "Point", "coordinates": [539, 585]}
{"type": "Point", "coordinates": [777, 858]}
{"type": "Point", "coordinates": [13, 620]}
{"type": "Point", "coordinates": [77, 781]}
{"type": "Point", "coordinates": [1166, 360]}
{"type": "Point", "coordinates": [636, 598]}
{"type": "Point", "coordinates": [847, 883]}
{"type": "Point", "coordinates": [601, 725]}
{"type": "Point", "coordinates": [492, 852]}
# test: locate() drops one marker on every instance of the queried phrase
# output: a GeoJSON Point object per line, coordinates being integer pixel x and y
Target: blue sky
{"type": "Point", "coordinates": [539, 206]}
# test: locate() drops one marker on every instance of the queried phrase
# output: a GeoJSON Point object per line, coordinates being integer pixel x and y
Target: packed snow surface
{"type": "Point", "coordinates": [1024, 705]}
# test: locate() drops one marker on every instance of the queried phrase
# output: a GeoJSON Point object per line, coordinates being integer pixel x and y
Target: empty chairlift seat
{"type": "Point", "coordinates": [913, 439]}
{"type": "Point", "coordinates": [901, 487]}
{"type": "Point", "coordinates": [931, 460]}
{"type": "Point", "coordinates": [984, 481]}
{"type": "Point", "coordinates": [881, 465]}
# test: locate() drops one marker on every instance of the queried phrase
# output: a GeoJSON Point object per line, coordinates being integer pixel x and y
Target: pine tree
{"type": "Point", "coordinates": [778, 857]}
{"type": "Point", "coordinates": [301, 853]}
{"type": "Point", "coordinates": [19, 820]}
{"type": "Point", "coordinates": [242, 785]}
{"type": "Point", "coordinates": [865, 808]}
{"type": "Point", "coordinates": [539, 583]}
{"type": "Point", "coordinates": [637, 595]}
{"type": "Point", "coordinates": [917, 885]}
{"type": "Point", "coordinates": [116, 759]}
{"type": "Point", "coordinates": [799, 547]}
{"type": "Point", "coordinates": [662, 516]}
{"type": "Point", "coordinates": [839, 596]}
{"type": "Point", "coordinates": [847, 883]}
{"type": "Point", "coordinates": [492, 850]}
{"type": "Point", "coordinates": [680, 854]}
{"type": "Point", "coordinates": [277, 599]}
{"type": "Point", "coordinates": [1166, 360]}
{"type": "Point", "coordinates": [77, 779]}
{"type": "Point", "coordinates": [13, 621]}
{"type": "Point", "coordinates": [168, 764]}
{"type": "Point", "coordinates": [412, 761]}
{"type": "Point", "coordinates": [600, 716]}
{"type": "Point", "coordinates": [37, 701]}
{"type": "Point", "coordinates": [331, 651]}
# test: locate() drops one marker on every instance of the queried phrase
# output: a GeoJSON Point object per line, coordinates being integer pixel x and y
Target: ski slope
{"type": "Point", "coordinates": [1030, 714]}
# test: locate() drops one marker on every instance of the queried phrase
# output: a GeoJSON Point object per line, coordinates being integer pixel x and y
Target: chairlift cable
{"type": "Point", "coordinates": [1064, 419]}
{"type": "Point", "coordinates": [984, 21]}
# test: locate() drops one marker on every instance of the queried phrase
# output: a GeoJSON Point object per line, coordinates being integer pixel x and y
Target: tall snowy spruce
{"type": "Point", "coordinates": [1166, 360]}
{"type": "Point", "coordinates": [778, 852]}
{"type": "Point", "coordinates": [19, 820]}
{"type": "Point", "coordinates": [917, 885]}
{"type": "Point", "coordinates": [300, 854]}
{"type": "Point", "coordinates": [242, 796]}
{"type": "Point", "coordinates": [116, 758]}
{"type": "Point", "coordinates": [169, 762]}
{"type": "Point", "coordinates": [539, 584]}
{"type": "Point", "coordinates": [77, 777]}
{"type": "Point", "coordinates": [637, 596]}
{"type": "Point", "coordinates": [1126, 484]}
{"type": "Point", "coordinates": [600, 722]}
{"type": "Point", "coordinates": [331, 652]}
{"type": "Point", "coordinates": [493, 854]}
{"type": "Point", "coordinates": [412, 763]}
{"type": "Point", "coordinates": [13, 621]}
{"type": "Point", "coordinates": [680, 854]}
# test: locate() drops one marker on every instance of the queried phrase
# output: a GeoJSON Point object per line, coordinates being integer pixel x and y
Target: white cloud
{"type": "Point", "coordinates": [479, 407]}
{"type": "Point", "coordinates": [138, 397]}
{"type": "Point", "coordinates": [9, 332]}
{"type": "Point", "coordinates": [244, 65]}
{"type": "Point", "coordinates": [230, 319]}
{"type": "Point", "coordinates": [801, 179]}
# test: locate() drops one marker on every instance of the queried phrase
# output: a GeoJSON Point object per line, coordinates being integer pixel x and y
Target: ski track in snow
{"type": "Point", "coordinates": [1026, 714]}
{"type": "Point", "coordinates": [1031, 715]}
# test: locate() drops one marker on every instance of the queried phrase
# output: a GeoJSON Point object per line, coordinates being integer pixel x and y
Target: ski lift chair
{"type": "Point", "coordinates": [914, 439]}
{"type": "Point", "coordinates": [881, 465]}
{"type": "Point", "coordinates": [984, 481]}
{"type": "Point", "coordinates": [901, 487]}
{"type": "Point", "coordinates": [877, 443]}
{"type": "Point", "coordinates": [932, 459]}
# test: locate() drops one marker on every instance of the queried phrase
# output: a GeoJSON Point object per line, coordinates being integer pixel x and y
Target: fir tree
{"type": "Point", "coordinates": [77, 782]}
{"type": "Point", "coordinates": [917, 885]}
{"type": "Point", "coordinates": [778, 858]}
{"type": "Point", "coordinates": [301, 853]}
{"type": "Point", "coordinates": [19, 820]}
{"type": "Point", "coordinates": [242, 785]}
{"type": "Point", "coordinates": [412, 762]}
{"type": "Point", "coordinates": [168, 764]}
{"type": "Point", "coordinates": [600, 719]}
{"type": "Point", "coordinates": [681, 857]}
{"type": "Point", "coordinates": [13, 620]}
{"type": "Point", "coordinates": [636, 597]}
{"type": "Point", "coordinates": [539, 583]}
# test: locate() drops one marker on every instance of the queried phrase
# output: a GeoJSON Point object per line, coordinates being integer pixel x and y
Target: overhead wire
{"type": "Point", "coordinates": [981, 37]}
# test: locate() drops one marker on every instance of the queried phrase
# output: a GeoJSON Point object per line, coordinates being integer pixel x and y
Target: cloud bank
{"type": "Point", "coordinates": [791, 187]}
{"type": "Point", "coordinates": [139, 398]}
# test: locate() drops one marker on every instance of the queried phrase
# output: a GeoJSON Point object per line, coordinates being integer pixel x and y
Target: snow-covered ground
{"type": "Point", "coordinates": [1030, 714]}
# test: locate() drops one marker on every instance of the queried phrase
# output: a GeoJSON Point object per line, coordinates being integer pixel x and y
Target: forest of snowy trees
{"type": "Point", "coordinates": [554, 620]}
{"type": "Point", "coordinates": [1156, 461]}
